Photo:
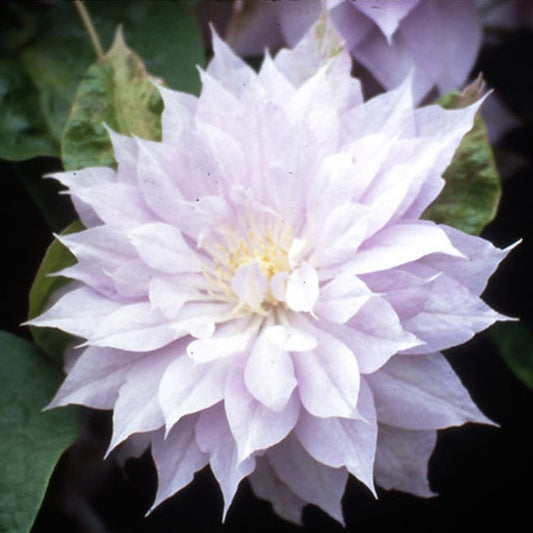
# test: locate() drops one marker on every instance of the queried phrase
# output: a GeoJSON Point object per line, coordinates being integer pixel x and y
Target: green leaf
{"type": "Point", "coordinates": [515, 341]}
{"type": "Point", "coordinates": [57, 257]}
{"type": "Point", "coordinates": [32, 441]}
{"type": "Point", "coordinates": [59, 53]}
{"type": "Point", "coordinates": [23, 129]}
{"type": "Point", "coordinates": [118, 92]}
{"type": "Point", "coordinates": [472, 191]}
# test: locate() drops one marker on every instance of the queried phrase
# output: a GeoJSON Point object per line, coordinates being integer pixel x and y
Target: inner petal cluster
{"type": "Point", "coordinates": [250, 268]}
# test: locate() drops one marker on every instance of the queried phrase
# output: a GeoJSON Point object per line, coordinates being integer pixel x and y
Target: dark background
{"type": "Point", "coordinates": [483, 474]}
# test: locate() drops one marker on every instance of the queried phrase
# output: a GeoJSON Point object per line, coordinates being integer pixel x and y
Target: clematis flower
{"type": "Point", "coordinates": [437, 41]}
{"type": "Point", "coordinates": [258, 293]}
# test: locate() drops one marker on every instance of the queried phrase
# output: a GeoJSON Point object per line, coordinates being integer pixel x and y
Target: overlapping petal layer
{"type": "Point", "coordinates": [257, 293]}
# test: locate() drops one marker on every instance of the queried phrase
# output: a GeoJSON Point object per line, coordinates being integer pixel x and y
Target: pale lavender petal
{"type": "Point", "coordinates": [136, 327]}
{"type": "Point", "coordinates": [375, 334]}
{"type": "Point", "coordinates": [390, 112]}
{"type": "Point", "coordinates": [341, 298]}
{"type": "Point", "coordinates": [133, 448]}
{"type": "Point", "coordinates": [449, 129]}
{"type": "Point", "coordinates": [343, 442]}
{"type": "Point", "coordinates": [178, 114]}
{"type": "Point", "coordinates": [353, 27]}
{"type": "Point", "coordinates": [387, 15]}
{"type": "Point", "coordinates": [86, 178]}
{"type": "Point", "coordinates": [274, 81]}
{"type": "Point", "coordinates": [125, 151]}
{"type": "Point", "coordinates": [268, 486]}
{"type": "Point", "coordinates": [422, 393]}
{"type": "Point", "coordinates": [450, 316]}
{"type": "Point", "coordinates": [310, 480]}
{"type": "Point", "coordinates": [321, 45]}
{"type": "Point", "coordinates": [188, 387]}
{"type": "Point", "coordinates": [137, 409]}
{"type": "Point", "coordinates": [254, 27]}
{"type": "Point", "coordinates": [269, 373]}
{"type": "Point", "coordinates": [228, 68]}
{"type": "Point", "coordinates": [162, 247]}
{"type": "Point", "coordinates": [295, 19]}
{"type": "Point", "coordinates": [444, 39]}
{"type": "Point", "coordinates": [117, 204]}
{"type": "Point", "coordinates": [254, 426]}
{"type": "Point", "coordinates": [473, 272]}
{"type": "Point", "coordinates": [402, 458]}
{"type": "Point", "coordinates": [95, 378]}
{"type": "Point", "coordinates": [99, 250]}
{"type": "Point", "coordinates": [131, 280]}
{"type": "Point", "coordinates": [214, 438]}
{"type": "Point", "coordinates": [399, 244]}
{"type": "Point", "coordinates": [339, 236]}
{"type": "Point", "coordinates": [406, 291]}
{"type": "Point", "coordinates": [328, 378]}
{"type": "Point", "coordinates": [79, 312]}
{"type": "Point", "coordinates": [177, 458]}
{"type": "Point", "coordinates": [169, 295]}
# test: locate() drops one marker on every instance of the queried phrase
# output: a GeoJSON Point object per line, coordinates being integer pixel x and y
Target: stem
{"type": "Point", "coordinates": [87, 22]}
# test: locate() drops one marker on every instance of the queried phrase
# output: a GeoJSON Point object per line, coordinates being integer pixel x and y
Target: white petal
{"type": "Point", "coordinates": [402, 458]}
{"type": "Point", "coordinates": [302, 288]}
{"type": "Point", "coordinates": [250, 285]}
{"type": "Point", "coordinates": [422, 392]}
{"type": "Point", "coordinates": [254, 426]}
{"type": "Point", "coordinates": [177, 457]}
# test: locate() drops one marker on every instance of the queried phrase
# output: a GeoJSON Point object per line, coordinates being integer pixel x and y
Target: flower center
{"type": "Point", "coordinates": [250, 271]}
